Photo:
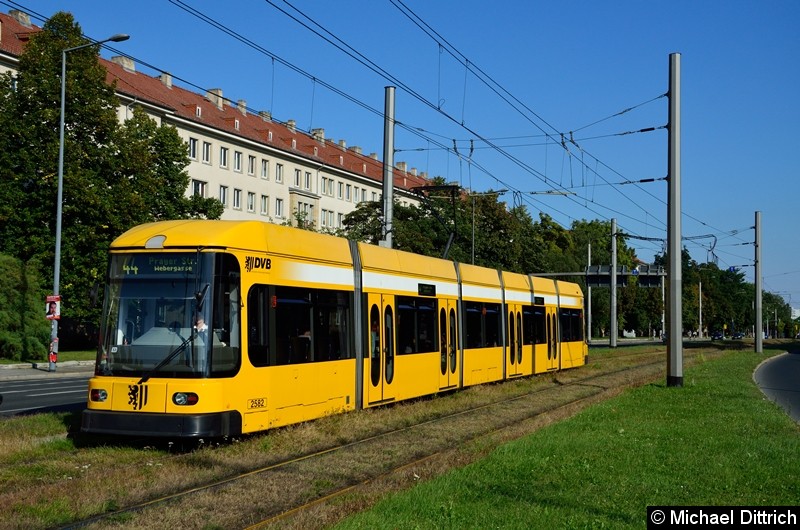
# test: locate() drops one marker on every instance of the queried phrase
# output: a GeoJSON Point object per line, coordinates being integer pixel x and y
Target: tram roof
{"type": "Point", "coordinates": [256, 236]}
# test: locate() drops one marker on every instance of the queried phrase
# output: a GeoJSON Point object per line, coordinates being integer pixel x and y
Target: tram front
{"type": "Point", "coordinates": [170, 342]}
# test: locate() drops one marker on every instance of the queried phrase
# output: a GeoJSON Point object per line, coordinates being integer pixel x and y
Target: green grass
{"type": "Point", "coordinates": [714, 441]}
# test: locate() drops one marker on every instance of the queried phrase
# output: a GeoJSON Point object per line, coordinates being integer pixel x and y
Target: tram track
{"type": "Point", "coordinates": [307, 490]}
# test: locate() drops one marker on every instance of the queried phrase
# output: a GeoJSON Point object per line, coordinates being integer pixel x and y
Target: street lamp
{"type": "Point", "coordinates": [473, 195]}
{"type": "Point", "coordinates": [57, 265]}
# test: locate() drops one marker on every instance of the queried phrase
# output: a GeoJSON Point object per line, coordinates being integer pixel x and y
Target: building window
{"type": "Point", "coordinates": [341, 190]}
{"type": "Point", "coordinates": [237, 161]}
{"type": "Point", "coordinates": [198, 188]}
{"type": "Point", "coordinates": [223, 195]}
{"type": "Point", "coordinates": [223, 157]}
{"type": "Point", "coordinates": [251, 201]}
{"type": "Point", "coordinates": [347, 193]}
{"type": "Point", "coordinates": [206, 152]}
{"type": "Point", "coordinates": [278, 207]}
{"type": "Point", "coordinates": [339, 220]}
{"type": "Point", "coordinates": [264, 169]}
{"type": "Point", "coordinates": [308, 181]}
{"type": "Point", "coordinates": [364, 194]}
{"type": "Point", "coordinates": [237, 199]}
{"type": "Point", "coordinates": [323, 219]}
{"type": "Point", "coordinates": [374, 196]}
{"type": "Point", "coordinates": [279, 173]}
{"type": "Point", "coordinates": [265, 205]}
{"type": "Point", "coordinates": [251, 165]}
{"type": "Point", "coordinates": [297, 178]}
{"type": "Point", "coordinates": [193, 148]}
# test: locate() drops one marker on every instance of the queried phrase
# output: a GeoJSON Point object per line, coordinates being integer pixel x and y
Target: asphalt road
{"type": "Point", "coordinates": [32, 390]}
{"type": "Point", "coordinates": [779, 379]}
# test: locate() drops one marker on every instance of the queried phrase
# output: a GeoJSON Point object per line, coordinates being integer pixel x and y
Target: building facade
{"type": "Point", "coordinates": [258, 167]}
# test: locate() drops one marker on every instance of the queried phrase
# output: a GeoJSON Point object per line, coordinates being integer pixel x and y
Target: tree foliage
{"type": "Point", "coordinates": [508, 238]}
{"type": "Point", "coordinates": [115, 176]}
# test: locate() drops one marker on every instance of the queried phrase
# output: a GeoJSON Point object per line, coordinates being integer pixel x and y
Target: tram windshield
{"type": "Point", "coordinates": [171, 315]}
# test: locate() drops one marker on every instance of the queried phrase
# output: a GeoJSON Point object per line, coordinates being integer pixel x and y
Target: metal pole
{"type": "Point", "coordinates": [674, 272]}
{"type": "Point", "coordinates": [60, 198]}
{"type": "Point", "coordinates": [759, 330]}
{"type": "Point", "coordinates": [473, 230]}
{"type": "Point", "coordinates": [700, 302]}
{"type": "Point", "coordinates": [589, 299]}
{"type": "Point", "coordinates": [388, 166]}
{"type": "Point", "coordinates": [612, 339]}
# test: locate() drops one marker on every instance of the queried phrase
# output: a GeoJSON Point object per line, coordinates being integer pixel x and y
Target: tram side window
{"type": "Point", "coordinates": [227, 338]}
{"type": "Point", "coordinates": [416, 324]}
{"type": "Point", "coordinates": [258, 325]}
{"type": "Point", "coordinates": [533, 323]}
{"type": "Point", "coordinates": [571, 321]}
{"type": "Point", "coordinates": [483, 324]}
{"type": "Point", "coordinates": [293, 325]}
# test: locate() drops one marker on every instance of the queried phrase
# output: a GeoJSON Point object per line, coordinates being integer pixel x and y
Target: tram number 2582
{"type": "Point", "coordinates": [256, 403]}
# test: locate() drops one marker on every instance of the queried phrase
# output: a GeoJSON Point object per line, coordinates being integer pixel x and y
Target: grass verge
{"type": "Point", "coordinates": [715, 441]}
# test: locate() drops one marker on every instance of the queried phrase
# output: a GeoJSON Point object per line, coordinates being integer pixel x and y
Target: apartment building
{"type": "Point", "coordinates": [258, 167]}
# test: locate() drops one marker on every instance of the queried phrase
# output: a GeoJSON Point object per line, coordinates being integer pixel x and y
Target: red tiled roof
{"type": "Point", "coordinates": [14, 35]}
{"type": "Point", "coordinates": [184, 104]}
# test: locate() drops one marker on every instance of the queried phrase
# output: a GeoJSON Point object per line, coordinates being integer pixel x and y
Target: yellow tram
{"type": "Point", "coordinates": [219, 328]}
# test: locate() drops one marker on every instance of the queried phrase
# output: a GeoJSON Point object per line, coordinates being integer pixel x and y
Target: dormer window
{"type": "Point", "coordinates": [198, 112]}
{"type": "Point", "coordinates": [294, 143]}
{"type": "Point", "coordinates": [236, 124]}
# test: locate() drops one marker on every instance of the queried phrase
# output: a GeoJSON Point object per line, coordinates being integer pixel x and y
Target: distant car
{"type": "Point", "coordinates": [717, 335]}
{"type": "Point", "coordinates": [738, 335]}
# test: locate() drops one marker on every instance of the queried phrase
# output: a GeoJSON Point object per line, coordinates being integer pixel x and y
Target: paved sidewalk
{"type": "Point", "coordinates": [42, 369]}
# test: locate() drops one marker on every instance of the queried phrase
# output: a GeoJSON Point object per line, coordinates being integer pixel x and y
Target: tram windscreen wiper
{"type": "Point", "coordinates": [174, 353]}
{"type": "Point", "coordinates": [199, 297]}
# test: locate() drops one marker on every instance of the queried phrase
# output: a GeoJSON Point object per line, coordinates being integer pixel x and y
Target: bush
{"type": "Point", "coordinates": [24, 331]}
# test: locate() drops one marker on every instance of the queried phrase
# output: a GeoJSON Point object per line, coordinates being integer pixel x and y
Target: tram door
{"type": "Point", "coordinates": [448, 345]}
{"type": "Point", "coordinates": [514, 341]}
{"type": "Point", "coordinates": [553, 341]}
{"type": "Point", "coordinates": [381, 349]}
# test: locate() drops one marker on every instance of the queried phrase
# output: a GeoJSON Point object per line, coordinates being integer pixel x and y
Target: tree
{"type": "Point", "coordinates": [114, 176]}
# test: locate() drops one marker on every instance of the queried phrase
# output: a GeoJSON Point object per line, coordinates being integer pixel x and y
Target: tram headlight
{"type": "Point", "coordinates": [98, 394]}
{"type": "Point", "coordinates": [184, 398]}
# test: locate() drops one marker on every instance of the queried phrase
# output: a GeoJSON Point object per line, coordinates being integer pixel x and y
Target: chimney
{"type": "Point", "coordinates": [414, 171]}
{"type": "Point", "coordinates": [357, 150]}
{"type": "Point", "coordinates": [242, 106]}
{"type": "Point", "coordinates": [166, 79]}
{"type": "Point", "coordinates": [214, 95]}
{"type": "Point", "coordinates": [318, 135]}
{"type": "Point", "coordinates": [373, 156]}
{"type": "Point", "coordinates": [125, 62]}
{"type": "Point", "coordinates": [265, 115]}
{"type": "Point", "coordinates": [401, 166]}
{"type": "Point", "coordinates": [291, 124]}
{"type": "Point", "coordinates": [21, 17]}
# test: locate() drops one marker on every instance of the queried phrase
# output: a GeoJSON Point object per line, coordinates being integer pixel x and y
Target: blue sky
{"type": "Point", "coordinates": [536, 70]}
